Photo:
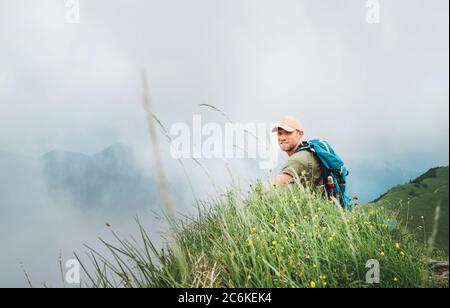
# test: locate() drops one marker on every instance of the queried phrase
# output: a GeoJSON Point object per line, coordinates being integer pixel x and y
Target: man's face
{"type": "Point", "coordinates": [289, 140]}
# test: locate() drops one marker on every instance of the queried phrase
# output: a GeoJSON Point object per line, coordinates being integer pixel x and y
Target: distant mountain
{"type": "Point", "coordinates": [418, 199]}
{"type": "Point", "coordinates": [110, 179]}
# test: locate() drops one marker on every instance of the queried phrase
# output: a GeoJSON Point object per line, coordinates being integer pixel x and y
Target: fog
{"type": "Point", "coordinates": [377, 92]}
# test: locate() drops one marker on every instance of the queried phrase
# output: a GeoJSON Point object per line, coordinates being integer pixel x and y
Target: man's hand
{"type": "Point", "coordinates": [282, 180]}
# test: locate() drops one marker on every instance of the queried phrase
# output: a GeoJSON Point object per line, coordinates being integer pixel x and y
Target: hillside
{"type": "Point", "coordinates": [275, 238]}
{"type": "Point", "coordinates": [418, 199]}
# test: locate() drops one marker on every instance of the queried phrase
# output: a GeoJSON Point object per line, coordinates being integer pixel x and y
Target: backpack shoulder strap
{"type": "Point", "coordinates": [304, 146]}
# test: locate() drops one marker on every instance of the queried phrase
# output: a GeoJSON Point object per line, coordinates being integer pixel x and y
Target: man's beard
{"type": "Point", "coordinates": [286, 147]}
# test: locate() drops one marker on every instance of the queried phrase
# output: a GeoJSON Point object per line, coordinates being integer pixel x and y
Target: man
{"type": "Point", "coordinates": [303, 165]}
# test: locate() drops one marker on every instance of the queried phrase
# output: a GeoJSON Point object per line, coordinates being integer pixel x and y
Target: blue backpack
{"type": "Point", "coordinates": [332, 166]}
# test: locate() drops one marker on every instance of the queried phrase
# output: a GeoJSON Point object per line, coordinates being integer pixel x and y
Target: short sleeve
{"type": "Point", "coordinates": [294, 168]}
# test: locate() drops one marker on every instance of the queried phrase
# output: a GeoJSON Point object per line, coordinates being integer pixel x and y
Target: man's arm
{"type": "Point", "coordinates": [283, 179]}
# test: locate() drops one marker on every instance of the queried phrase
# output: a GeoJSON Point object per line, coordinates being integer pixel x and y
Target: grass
{"type": "Point", "coordinates": [265, 239]}
{"type": "Point", "coordinates": [276, 238]}
{"type": "Point", "coordinates": [416, 203]}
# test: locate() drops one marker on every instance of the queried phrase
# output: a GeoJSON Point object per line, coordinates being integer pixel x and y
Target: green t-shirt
{"type": "Point", "coordinates": [305, 167]}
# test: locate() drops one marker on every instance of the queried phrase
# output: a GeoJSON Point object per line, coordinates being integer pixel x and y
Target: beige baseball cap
{"type": "Point", "coordinates": [289, 124]}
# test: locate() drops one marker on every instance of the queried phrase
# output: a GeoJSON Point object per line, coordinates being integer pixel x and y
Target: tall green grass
{"type": "Point", "coordinates": [276, 238]}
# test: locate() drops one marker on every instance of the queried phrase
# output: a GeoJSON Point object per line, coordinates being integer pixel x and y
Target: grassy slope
{"type": "Point", "coordinates": [281, 238]}
{"type": "Point", "coordinates": [420, 198]}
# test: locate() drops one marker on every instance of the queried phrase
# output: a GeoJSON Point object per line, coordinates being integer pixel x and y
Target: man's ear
{"type": "Point", "coordinates": [300, 132]}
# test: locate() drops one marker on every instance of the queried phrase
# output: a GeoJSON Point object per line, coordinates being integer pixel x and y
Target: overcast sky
{"type": "Point", "coordinates": [365, 87]}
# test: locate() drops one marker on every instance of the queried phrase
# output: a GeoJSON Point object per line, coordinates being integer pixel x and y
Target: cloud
{"type": "Point", "coordinates": [372, 82]}
{"type": "Point", "coordinates": [378, 93]}
{"type": "Point", "coordinates": [38, 221]}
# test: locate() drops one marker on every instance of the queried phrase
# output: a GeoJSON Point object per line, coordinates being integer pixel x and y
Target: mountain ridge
{"type": "Point", "coordinates": [416, 203]}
